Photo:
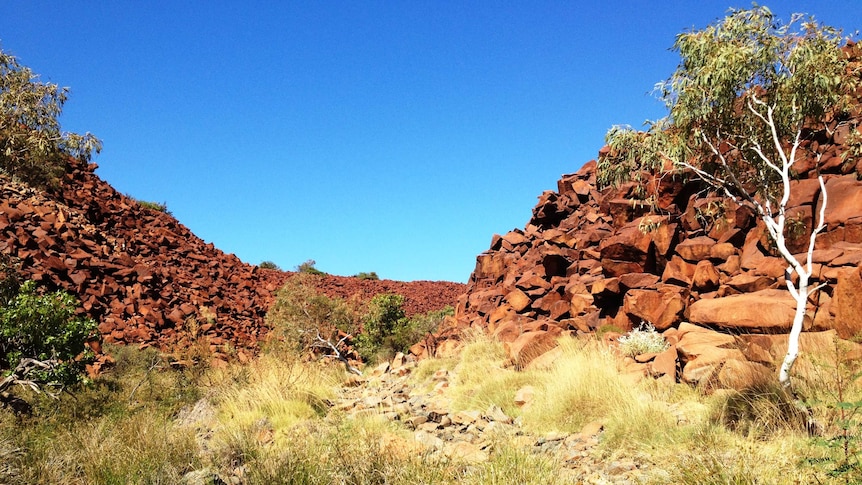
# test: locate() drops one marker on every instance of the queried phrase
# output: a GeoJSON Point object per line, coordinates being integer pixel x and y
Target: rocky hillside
{"type": "Point", "coordinates": [142, 275]}
{"type": "Point", "coordinates": [699, 268]}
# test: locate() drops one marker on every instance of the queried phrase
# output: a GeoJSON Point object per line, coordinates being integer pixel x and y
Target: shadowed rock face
{"type": "Point", "coordinates": [141, 274]}
{"type": "Point", "coordinates": [590, 258]}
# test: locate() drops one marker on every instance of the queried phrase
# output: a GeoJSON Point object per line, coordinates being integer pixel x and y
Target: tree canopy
{"type": "Point", "coordinates": [33, 148]}
{"type": "Point", "coordinates": [738, 103]}
{"type": "Point", "coordinates": [749, 90]}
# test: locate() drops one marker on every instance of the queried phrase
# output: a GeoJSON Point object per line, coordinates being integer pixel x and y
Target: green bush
{"type": "Point", "coordinates": [367, 276]}
{"type": "Point", "coordinates": [386, 329]}
{"type": "Point", "coordinates": [155, 206]}
{"type": "Point", "coordinates": [268, 265]}
{"type": "Point", "coordinates": [44, 327]}
{"type": "Point", "coordinates": [384, 319]}
{"type": "Point", "coordinates": [299, 314]}
{"type": "Point", "coordinates": [308, 268]}
{"type": "Point", "coordinates": [33, 148]}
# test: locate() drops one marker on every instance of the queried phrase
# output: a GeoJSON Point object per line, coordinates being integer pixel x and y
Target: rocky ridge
{"type": "Point", "coordinates": [145, 277]}
{"type": "Point", "coordinates": [701, 270]}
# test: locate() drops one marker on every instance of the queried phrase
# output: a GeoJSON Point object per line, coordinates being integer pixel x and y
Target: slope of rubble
{"type": "Point", "coordinates": [700, 269]}
{"type": "Point", "coordinates": [142, 275]}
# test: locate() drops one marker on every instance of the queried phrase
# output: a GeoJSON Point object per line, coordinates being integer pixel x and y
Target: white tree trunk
{"type": "Point", "coordinates": [801, 296]}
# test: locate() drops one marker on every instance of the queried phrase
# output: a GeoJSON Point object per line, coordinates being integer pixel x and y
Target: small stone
{"type": "Point", "coordinates": [428, 439]}
{"type": "Point", "coordinates": [494, 413]}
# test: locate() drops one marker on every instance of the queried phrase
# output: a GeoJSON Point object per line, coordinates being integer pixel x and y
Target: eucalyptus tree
{"type": "Point", "coordinates": [740, 105]}
{"type": "Point", "coordinates": [33, 148]}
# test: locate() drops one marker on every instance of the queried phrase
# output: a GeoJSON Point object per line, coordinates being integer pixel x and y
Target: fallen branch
{"type": "Point", "coordinates": [323, 343]}
{"type": "Point", "coordinates": [20, 375]}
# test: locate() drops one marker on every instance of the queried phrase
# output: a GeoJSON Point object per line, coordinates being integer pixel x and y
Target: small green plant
{"type": "Point", "coordinates": [385, 318]}
{"type": "Point", "coordinates": [642, 340]}
{"type": "Point", "coordinates": [43, 344]}
{"type": "Point", "coordinates": [607, 328]}
{"type": "Point", "coordinates": [308, 267]}
{"type": "Point", "coordinates": [852, 145]}
{"type": "Point", "coordinates": [367, 276]}
{"type": "Point", "coordinates": [837, 398]}
{"type": "Point", "coordinates": [795, 227]}
{"type": "Point", "coordinates": [155, 206]}
{"type": "Point", "coordinates": [269, 265]}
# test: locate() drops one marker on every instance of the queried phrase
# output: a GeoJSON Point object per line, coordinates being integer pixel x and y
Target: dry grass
{"type": "Point", "coordinates": [270, 422]}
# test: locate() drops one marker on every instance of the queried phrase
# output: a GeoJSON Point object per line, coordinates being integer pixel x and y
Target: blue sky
{"type": "Point", "coordinates": [394, 137]}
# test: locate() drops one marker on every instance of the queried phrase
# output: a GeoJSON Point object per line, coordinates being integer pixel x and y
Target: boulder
{"type": "Point", "coordinates": [662, 307]}
{"type": "Point", "coordinates": [530, 345]}
{"type": "Point", "coordinates": [846, 304]}
{"type": "Point", "coordinates": [765, 310]}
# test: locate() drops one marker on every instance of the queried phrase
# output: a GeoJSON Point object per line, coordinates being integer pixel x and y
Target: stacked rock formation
{"type": "Point", "coordinates": [700, 269]}
{"type": "Point", "coordinates": [146, 278]}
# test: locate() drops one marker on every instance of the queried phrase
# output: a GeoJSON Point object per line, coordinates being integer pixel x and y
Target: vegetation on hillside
{"type": "Point", "coordinates": [740, 107]}
{"type": "Point", "coordinates": [33, 148]}
{"type": "Point", "coordinates": [276, 420]}
{"type": "Point", "coordinates": [43, 343]}
{"type": "Point", "coordinates": [304, 321]}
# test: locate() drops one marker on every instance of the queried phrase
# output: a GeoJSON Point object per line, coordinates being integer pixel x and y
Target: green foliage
{"type": "Point", "coordinates": [269, 265]}
{"type": "Point", "coordinates": [119, 429]}
{"type": "Point", "coordinates": [32, 146]}
{"type": "Point", "coordinates": [837, 399]}
{"type": "Point", "coordinates": [382, 325]}
{"type": "Point", "coordinates": [299, 314]}
{"type": "Point", "coordinates": [367, 276]}
{"type": "Point", "coordinates": [155, 206]}
{"type": "Point", "coordinates": [45, 328]}
{"type": "Point", "coordinates": [379, 329]}
{"type": "Point", "coordinates": [386, 329]}
{"type": "Point", "coordinates": [308, 267]}
{"type": "Point", "coordinates": [737, 80]}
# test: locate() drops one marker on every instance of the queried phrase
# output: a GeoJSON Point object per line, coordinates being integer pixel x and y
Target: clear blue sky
{"type": "Point", "coordinates": [394, 137]}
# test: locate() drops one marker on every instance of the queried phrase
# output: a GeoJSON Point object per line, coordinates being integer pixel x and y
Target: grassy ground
{"type": "Point", "coordinates": [271, 421]}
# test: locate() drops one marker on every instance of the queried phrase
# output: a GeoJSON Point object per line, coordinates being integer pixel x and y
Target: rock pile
{"type": "Point", "coordinates": [700, 269]}
{"type": "Point", "coordinates": [146, 278]}
{"type": "Point", "coordinates": [470, 435]}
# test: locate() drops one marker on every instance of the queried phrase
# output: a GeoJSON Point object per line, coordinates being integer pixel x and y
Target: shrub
{"type": "Point", "coordinates": [155, 206]}
{"type": "Point", "coordinates": [32, 146]}
{"type": "Point", "coordinates": [300, 314]}
{"type": "Point", "coordinates": [367, 276]}
{"type": "Point", "coordinates": [643, 340]}
{"type": "Point", "coordinates": [381, 325]}
{"type": "Point", "coordinates": [417, 327]}
{"type": "Point", "coordinates": [308, 267]}
{"type": "Point", "coordinates": [269, 265]}
{"type": "Point", "coordinates": [42, 341]}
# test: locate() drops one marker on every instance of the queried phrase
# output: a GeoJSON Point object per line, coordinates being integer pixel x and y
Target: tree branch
{"type": "Point", "coordinates": [337, 353]}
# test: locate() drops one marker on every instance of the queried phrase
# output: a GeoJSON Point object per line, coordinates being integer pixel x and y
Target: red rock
{"type": "Point", "coordinates": [705, 277]}
{"type": "Point", "coordinates": [749, 283]}
{"type": "Point", "coordinates": [530, 345]}
{"type": "Point", "coordinates": [844, 199]}
{"type": "Point", "coordinates": [678, 272]}
{"type": "Point", "coordinates": [847, 305]}
{"type": "Point", "coordinates": [518, 300]}
{"type": "Point", "coordinates": [771, 310]}
{"type": "Point", "coordinates": [662, 308]}
{"type": "Point", "coordinates": [665, 364]}
{"type": "Point", "coordinates": [695, 249]}
{"type": "Point", "coordinates": [639, 280]}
